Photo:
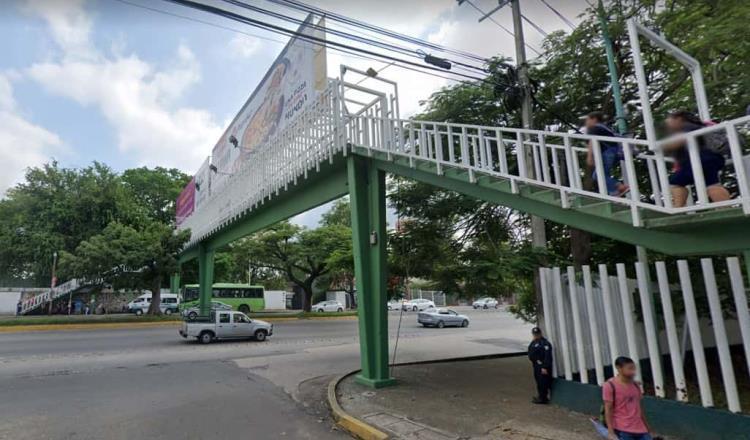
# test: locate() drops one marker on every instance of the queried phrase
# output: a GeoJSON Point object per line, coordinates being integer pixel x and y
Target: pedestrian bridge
{"type": "Point", "coordinates": [347, 144]}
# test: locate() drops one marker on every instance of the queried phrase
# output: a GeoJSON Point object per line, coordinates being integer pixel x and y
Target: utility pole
{"type": "Point", "coordinates": [614, 79]}
{"type": "Point", "coordinates": [538, 232]}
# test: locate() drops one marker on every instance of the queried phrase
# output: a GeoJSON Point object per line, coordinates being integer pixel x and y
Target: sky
{"type": "Point", "coordinates": [146, 82]}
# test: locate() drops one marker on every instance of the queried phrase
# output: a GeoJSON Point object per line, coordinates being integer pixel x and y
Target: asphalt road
{"type": "Point", "coordinates": [150, 383]}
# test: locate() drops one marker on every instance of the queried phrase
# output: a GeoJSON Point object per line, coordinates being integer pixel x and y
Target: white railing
{"type": "Point", "coordinates": [558, 159]}
{"type": "Point", "coordinates": [289, 156]}
{"type": "Point", "coordinates": [545, 159]}
{"type": "Point", "coordinates": [591, 318]}
{"type": "Point", "coordinates": [50, 295]}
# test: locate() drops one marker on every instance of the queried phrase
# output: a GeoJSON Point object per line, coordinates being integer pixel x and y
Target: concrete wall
{"type": "Point", "coordinates": [667, 417]}
{"type": "Point", "coordinates": [275, 299]}
{"type": "Point", "coordinates": [9, 297]}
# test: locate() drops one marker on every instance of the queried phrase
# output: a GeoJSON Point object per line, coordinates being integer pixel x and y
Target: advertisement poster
{"type": "Point", "coordinates": [288, 86]}
{"type": "Point", "coordinates": [185, 202]}
{"type": "Point", "coordinates": [202, 185]}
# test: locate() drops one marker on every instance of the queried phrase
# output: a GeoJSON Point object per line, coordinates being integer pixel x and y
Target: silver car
{"type": "Point", "coordinates": [226, 325]}
{"type": "Point", "coordinates": [193, 312]}
{"type": "Point", "coordinates": [442, 318]}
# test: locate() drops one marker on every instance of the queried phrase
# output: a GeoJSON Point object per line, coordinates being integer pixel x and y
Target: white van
{"type": "Point", "coordinates": [170, 303]}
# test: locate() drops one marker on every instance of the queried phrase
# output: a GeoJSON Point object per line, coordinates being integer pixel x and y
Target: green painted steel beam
{"type": "Point", "coordinates": [205, 278]}
{"type": "Point", "coordinates": [319, 188]}
{"type": "Point", "coordinates": [369, 239]}
{"type": "Point", "coordinates": [189, 254]}
{"type": "Point", "coordinates": [691, 238]}
{"type": "Point", "coordinates": [174, 283]}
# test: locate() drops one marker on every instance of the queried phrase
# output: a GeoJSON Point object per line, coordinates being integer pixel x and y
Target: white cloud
{"type": "Point", "coordinates": [138, 99]}
{"type": "Point", "coordinates": [69, 24]}
{"type": "Point", "coordinates": [244, 46]}
{"type": "Point", "coordinates": [22, 144]}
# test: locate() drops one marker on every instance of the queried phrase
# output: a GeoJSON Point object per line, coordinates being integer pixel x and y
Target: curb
{"type": "Point", "coordinates": [354, 426]}
{"type": "Point", "coordinates": [360, 429]}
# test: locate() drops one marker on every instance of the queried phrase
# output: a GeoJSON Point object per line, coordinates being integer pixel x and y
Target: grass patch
{"type": "Point", "coordinates": [305, 315]}
{"type": "Point", "coordinates": [91, 319]}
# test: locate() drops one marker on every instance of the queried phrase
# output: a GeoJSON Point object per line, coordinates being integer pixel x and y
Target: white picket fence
{"type": "Point", "coordinates": [591, 318]}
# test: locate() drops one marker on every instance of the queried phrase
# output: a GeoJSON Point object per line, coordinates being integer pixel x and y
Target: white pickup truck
{"type": "Point", "coordinates": [226, 325]}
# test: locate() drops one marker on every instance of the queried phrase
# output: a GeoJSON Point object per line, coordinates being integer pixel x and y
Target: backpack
{"type": "Point", "coordinates": [602, 414]}
{"type": "Point", "coordinates": [718, 141]}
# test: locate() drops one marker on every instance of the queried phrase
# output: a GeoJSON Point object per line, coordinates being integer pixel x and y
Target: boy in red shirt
{"type": "Point", "coordinates": [623, 410]}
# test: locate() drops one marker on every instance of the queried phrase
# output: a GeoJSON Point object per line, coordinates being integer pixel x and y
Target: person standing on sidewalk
{"type": "Point", "coordinates": [623, 410]}
{"type": "Point", "coordinates": [540, 355]}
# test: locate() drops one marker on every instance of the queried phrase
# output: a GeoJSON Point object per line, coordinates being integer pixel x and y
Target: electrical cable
{"type": "Point", "coordinates": [346, 35]}
{"type": "Point", "coordinates": [299, 5]}
{"type": "Point", "coordinates": [347, 52]}
{"type": "Point", "coordinates": [309, 38]}
{"type": "Point", "coordinates": [502, 27]}
{"type": "Point", "coordinates": [185, 17]}
{"type": "Point", "coordinates": [535, 26]}
{"type": "Point", "coordinates": [559, 14]}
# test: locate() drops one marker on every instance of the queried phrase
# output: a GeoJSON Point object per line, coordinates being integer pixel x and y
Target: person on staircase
{"type": "Point", "coordinates": [611, 152]}
{"type": "Point", "coordinates": [712, 160]}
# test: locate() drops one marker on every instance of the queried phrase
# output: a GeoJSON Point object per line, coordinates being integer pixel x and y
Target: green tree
{"type": "Point", "coordinates": [300, 254]}
{"type": "Point", "coordinates": [127, 257]}
{"type": "Point", "coordinates": [154, 191]}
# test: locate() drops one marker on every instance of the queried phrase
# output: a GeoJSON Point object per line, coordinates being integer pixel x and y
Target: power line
{"type": "Point", "coordinates": [559, 14]}
{"type": "Point", "coordinates": [346, 52]}
{"type": "Point", "coordinates": [535, 26]}
{"type": "Point", "coordinates": [196, 20]}
{"type": "Point", "coordinates": [501, 26]}
{"type": "Point", "coordinates": [310, 38]}
{"type": "Point", "coordinates": [346, 35]}
{"type": "Point", "coordinates": [299, 5]}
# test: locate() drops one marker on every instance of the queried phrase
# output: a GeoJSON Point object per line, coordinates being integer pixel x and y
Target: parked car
{"type": "Point", "coordinates": [226, 325]}
{"type": "Point", "coordinates": [485, 303]}
{"type": "Point", "coordinates": [193, 312]}
{"type": "Point", "coordinates": [328, 306]}
{"type": "Point", "coordinates": [442, 318]}
{"type": "Point", "coordinates": [395, 304]}
{"type": "Point", "coordinates": [418, 304]}
{"type": "Point", "coordinates": [170, 303]}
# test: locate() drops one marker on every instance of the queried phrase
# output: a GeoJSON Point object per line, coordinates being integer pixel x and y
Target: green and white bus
{"type": "Point", "coordinates": [242, 297]}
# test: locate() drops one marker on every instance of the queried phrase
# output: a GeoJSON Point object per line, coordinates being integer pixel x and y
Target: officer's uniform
{"type": "Point", "coordinates": [540, 355]}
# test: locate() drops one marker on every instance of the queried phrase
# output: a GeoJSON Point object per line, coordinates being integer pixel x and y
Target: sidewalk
{"type": "Point", "coordinates": [483, 399]}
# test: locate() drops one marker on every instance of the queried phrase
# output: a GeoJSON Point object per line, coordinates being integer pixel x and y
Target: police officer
{"type": "Point", "coordinates": [540, 355]}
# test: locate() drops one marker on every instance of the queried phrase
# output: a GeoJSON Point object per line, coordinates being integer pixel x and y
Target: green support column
{"type": "Point", "coordinates": [367, 192]}
{"type": "Point", "coordinates": [205, 278]}
{"type": "Point", "coordinates": [174, 283]}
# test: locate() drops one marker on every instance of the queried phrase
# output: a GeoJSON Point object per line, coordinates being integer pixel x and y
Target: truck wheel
{"type": "Point", "coordinates": [206, 337]}
{"type": "Point", "coordinates": [440, 324]}
{"type": "Point", "coordinates": [414, 309]}
{"type": "Point", "coordinates": [485, 307]}
{"type": "Point", "coordinates": [138, 312]}
{"type": "Point", "coordinates": [260, 335]}
{"type": "Point", "coordinates": [192, 316]}
{"type": "Point", "coordinates": [168, 312]}
{"type": "Point", "coordinates": [321, 310]}
{"type": "Point", "coordinates": [244, 308]}
{"type": "Point", "coordinates": [339, 310]}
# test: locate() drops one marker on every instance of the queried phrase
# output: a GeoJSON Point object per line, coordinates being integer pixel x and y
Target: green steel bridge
{"type": "Point", "coordinates": [352, 137]}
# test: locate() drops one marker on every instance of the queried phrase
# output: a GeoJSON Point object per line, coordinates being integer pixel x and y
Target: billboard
{"type": "Point", "coordinates": [185, 202]}
{"type": "Point", "coordinates": [202, 184]}
{"type": "Point", "coordinates": [288, 86]}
